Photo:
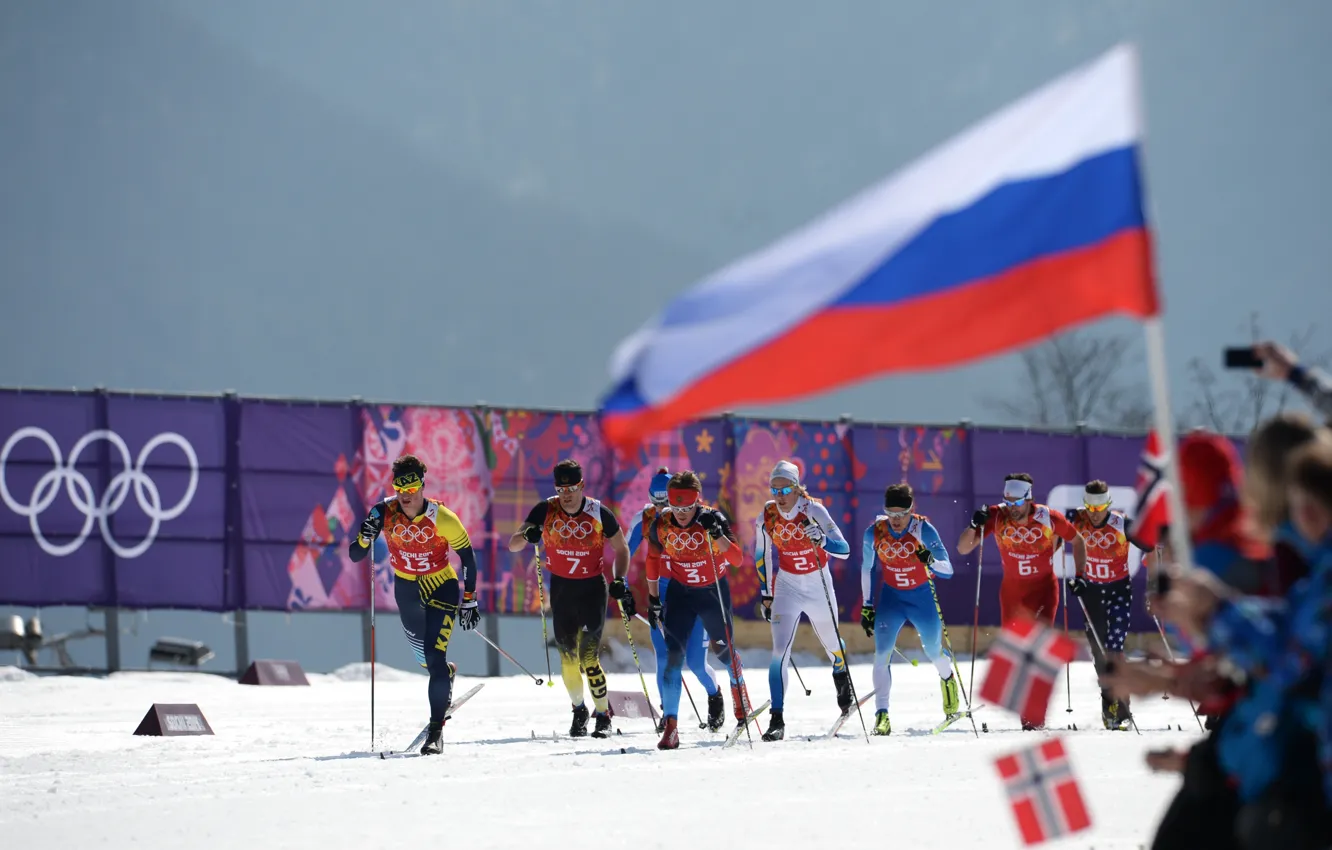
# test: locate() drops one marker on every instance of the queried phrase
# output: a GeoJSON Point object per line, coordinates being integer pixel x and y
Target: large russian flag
{"type": "Point", "coordinates": [1025, 224]}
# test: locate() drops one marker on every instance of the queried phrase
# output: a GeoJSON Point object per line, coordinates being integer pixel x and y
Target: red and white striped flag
{"type": "Point", "coordinates": [1043, 792]}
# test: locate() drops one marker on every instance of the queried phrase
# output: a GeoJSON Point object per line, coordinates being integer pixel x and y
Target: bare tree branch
{"type": "Point", "coordinates": [1074, 378]}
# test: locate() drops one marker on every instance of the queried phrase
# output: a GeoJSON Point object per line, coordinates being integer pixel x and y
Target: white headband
{"type": "Point", "coordinates": [785, 469]}
{"type": "Point", "coordinates": [1016, 489]}
{"type": "Point", "coordinates": [1096, 499]}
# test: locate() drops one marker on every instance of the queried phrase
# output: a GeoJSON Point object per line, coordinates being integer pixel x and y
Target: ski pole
{"type": "Point", "coordinates": [736, 672]}
{"type": "Point", "coordinates": [824, 574]}
{"type": "Point", "coordinates": [684, 684]}
{"type": "Point", "coordinates": [625, 617]}
{"type": "Point", "coordinates": [799, 678]}
{"type": "Point", "coordinates": [912, 661]}
{"type": "Point", "coordinates": [1068, 666]}
{"type": "Point", "coordinates": [1101, 647]}
{"type": "Point", "coordinates": [1171, 655]}
{"type": "Point", "coordinates": [497, 648]}
{"type": "Point", "coordinates": [975, 623]}
{"type": "Point", "coordinates": [541, 600]}
{"type": "Point", "coordinates": [943, 624]}
{"type": "Point", "coordinates": [371, 570]}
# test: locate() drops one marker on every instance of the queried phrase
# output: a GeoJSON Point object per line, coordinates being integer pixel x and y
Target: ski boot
{"type": "Point", "coordinates": [578, 729]}
{"type": "Point", "coordinates": [881, 724]}
{"type": "Point", "coordinates": [1028, 726]}
{"type": "Point", "coordinates": [951, 706]}
{"type": "Point", "coordinates": [670, 737]}
{"type": "Point", "coordinates": [776, 726]}
{"type": "Point", "coordinates": [1115, 714]}
{"type": "Point", "coordinates": [842, 682]}
{"type": "Point", "coordinates": [603, 726]}
{"type": "Point", "coordinates": [434, 744]}
{"type": "Point", "coordinates": [716, 707]}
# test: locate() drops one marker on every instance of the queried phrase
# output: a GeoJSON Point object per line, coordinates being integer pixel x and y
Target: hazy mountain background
{"type": "Point", "coordinates": [311, 197]}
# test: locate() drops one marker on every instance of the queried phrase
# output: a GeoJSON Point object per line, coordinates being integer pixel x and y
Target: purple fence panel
{"type": "Point", "coordinates": [934, 461]}
{"type": "Point", "coordinates": [298, 503]}
{"type": "Point", "coordinates": [117, 498]}
{"type": "Point", "coordinates": [454, 445]}
{"type": "Point", "coordinates": [174, 523]}
{"type": "Point", "coordinates": [526, 445]}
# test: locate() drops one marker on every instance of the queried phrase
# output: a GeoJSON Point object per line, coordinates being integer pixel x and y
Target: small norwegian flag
{"type": "Point", "coordinates": [1043, 792]}
{"type": "Point", "coordinates": [1152, 511]}
{"type": "Point", "coordinates": [1024, 663]}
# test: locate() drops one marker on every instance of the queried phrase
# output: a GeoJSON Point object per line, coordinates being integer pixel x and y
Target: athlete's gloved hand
{"type": "Point", "coordinates": [532, 534]}
{"type": "Point", "coordinates": [980, 517]}
{"type": "Point", "coordinates": [372, 525]}
{"type": "Point", "coordinates": [924, 555]}
{"type": "Point", "coordinates": [813, 531]}
{"type": "Point", "coordinates": [867, 619]}
{"type": "Point", "coordinates": [619, 591]}
{"type": "Point", "coordinates": [711, 523]}
{"type": "Point", "coordinates": [654, 611]}
{"type": "Point", "coordinates": [767, 607]}
{"type": "Point", "coordinates": [1076, 585]}
{"type": "Point", "coordinates": [1072, 514]}
{"type": "Point", "coordinates": [468, 614]}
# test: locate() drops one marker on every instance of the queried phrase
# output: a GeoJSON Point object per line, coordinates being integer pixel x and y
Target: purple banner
{"type": "Point", "coordinates": [113, 500]}
{"type": "Point", "coordinates": [223, 503]}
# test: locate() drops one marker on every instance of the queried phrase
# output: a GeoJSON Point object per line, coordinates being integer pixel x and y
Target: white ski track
{"type": "Point", "coordinates": [741, 727]}
{"type": "Point", "coordinates": [411, 749]}
{"type": "Point", "coordinates": [841, 719]}
{"type": "Point", "coordinates": [289, 768]}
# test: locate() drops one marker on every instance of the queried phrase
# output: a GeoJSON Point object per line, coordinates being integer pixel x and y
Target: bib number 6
{"type": "Point", "coordinates": [1026, 568]}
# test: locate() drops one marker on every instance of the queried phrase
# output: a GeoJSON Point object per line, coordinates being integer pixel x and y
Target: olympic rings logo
{"type": "Point", "coordinates": [1102, 539]}
{"type": "Point", "coordinates": [1023, 534]}
{"type": "Point", "coordinates": [684, 540]}
{"type": "Point", "coordinates": [413, 533]}
{"type": "Point", "coordinates": [572, 530]}
{"type": "Point", "coordinates": [80, 489]}
{"type": "Point", "coordinates": [896, 550]}
{"type": "Point", "coordinates": [789, 533]}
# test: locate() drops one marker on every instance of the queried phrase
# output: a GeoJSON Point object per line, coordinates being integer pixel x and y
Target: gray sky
{"type": "Point", "coordinates": [284, 198]}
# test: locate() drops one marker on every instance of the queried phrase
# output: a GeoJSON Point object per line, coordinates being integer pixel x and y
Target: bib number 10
{"type": "Point", "coordinates": [1098, 571]}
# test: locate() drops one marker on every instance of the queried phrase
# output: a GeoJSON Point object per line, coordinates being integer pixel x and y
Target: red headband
{"type": "Point", "coordinates": [682, 497]}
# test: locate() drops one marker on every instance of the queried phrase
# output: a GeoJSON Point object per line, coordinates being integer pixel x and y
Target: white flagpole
{"type": "Point", "coordinates": [1165, 430]}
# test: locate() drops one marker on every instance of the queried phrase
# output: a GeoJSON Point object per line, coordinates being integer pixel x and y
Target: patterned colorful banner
{"type": "Point", "coordinates": [225, 503]}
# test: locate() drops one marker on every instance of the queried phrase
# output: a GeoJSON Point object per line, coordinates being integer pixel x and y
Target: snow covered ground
{"type": "Point", "coordinates": [292, 767]}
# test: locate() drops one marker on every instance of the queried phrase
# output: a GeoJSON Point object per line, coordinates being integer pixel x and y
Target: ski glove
{"type": "Point", "coordinates": [712, 523]}
{"type": "Point", "coordinates": [925, 556]}
{"type": "Point", "coordinates": [814, 532]}
{"type": "Point", "coordinates": [1072, 514]}
{"type": "Point", "coordinates": [767, 607]}
{"type": "Point", "coordinates": [469, 615]}
{"type": "Point", "coordinates": [371, 526]}
{"type": "Point", "coordinates": [980, 517]}
{"type": "Point", "coordinates": [654, 611]}
{"type": "Point", "coordinates": [532, 534]}
{"type": "Point", "coordinates": [1076, 585]}
{"type": "Point", "coordinates": [619, 591]}
{"type": "Point", "coordinates": [867, 619]}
